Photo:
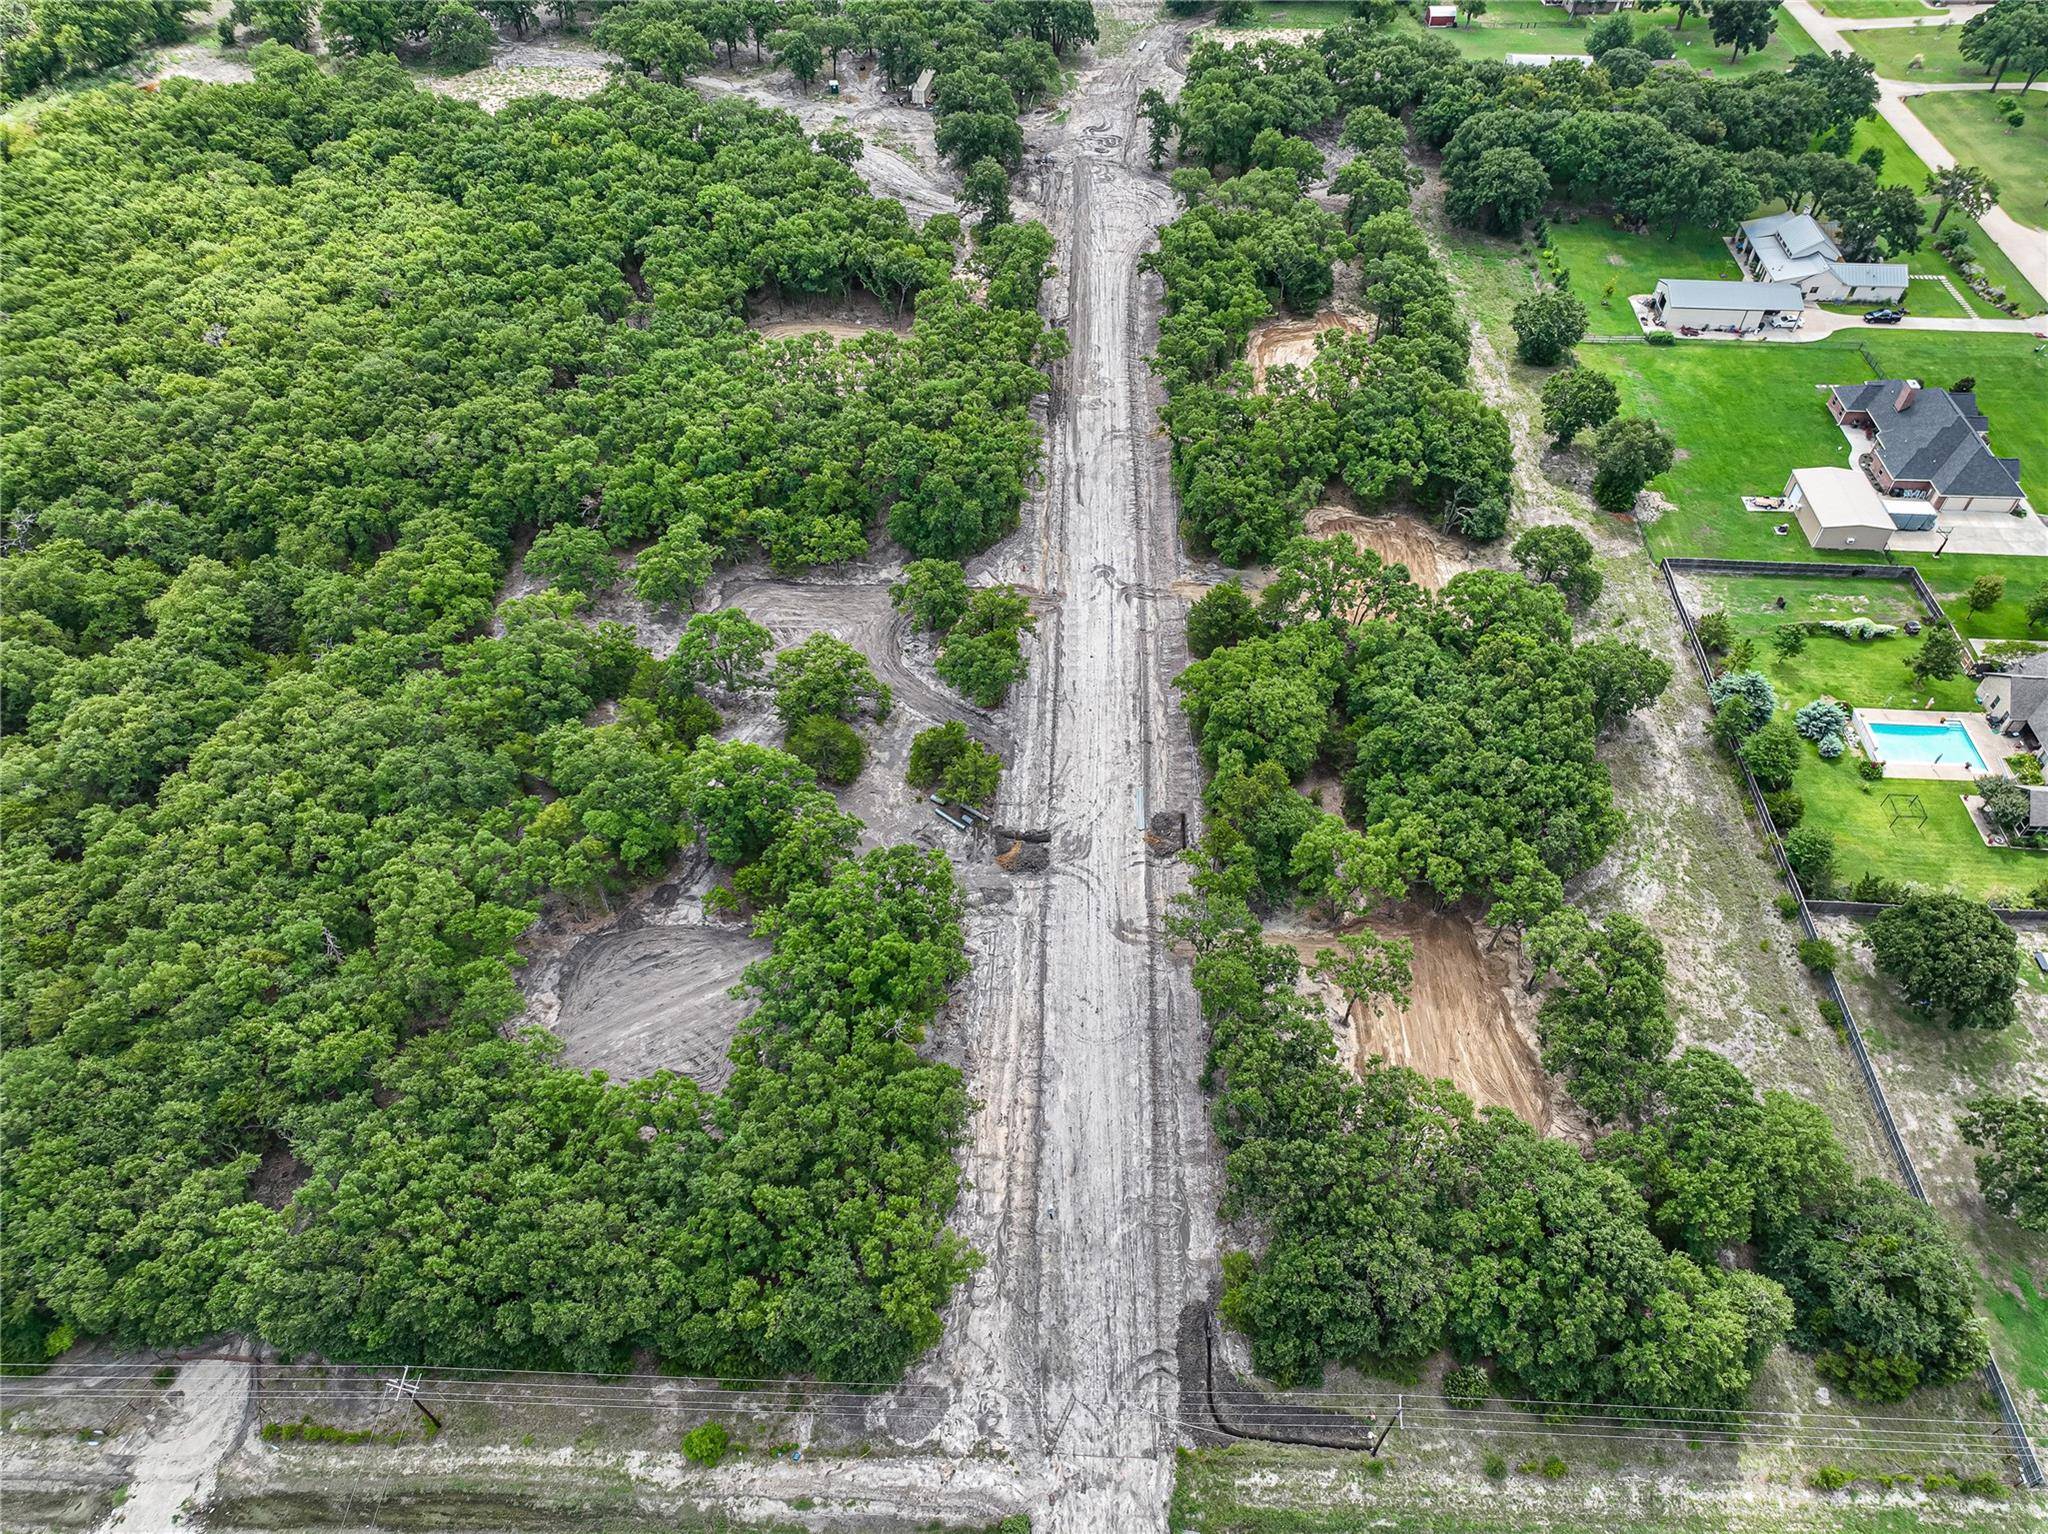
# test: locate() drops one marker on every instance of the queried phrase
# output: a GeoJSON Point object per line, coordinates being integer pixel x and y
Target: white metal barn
{"type": "Point", "coordinates": [1708, 305]}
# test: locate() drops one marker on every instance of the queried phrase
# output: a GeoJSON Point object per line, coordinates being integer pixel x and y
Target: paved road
{"type": "Point", "coordinates": [2026, 248]}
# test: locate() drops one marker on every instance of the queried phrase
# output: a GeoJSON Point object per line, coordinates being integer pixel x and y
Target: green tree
{"type": "Point", "coordinates": [1986, 592]}
{"type": "Point", "coordinates": [1773, 753]}
{"type": "Point", "coordinates": [934, 592]}
{"type": "Point", "coordinates": [2012, 1173]}
{"type": "Point", "coordinates": [1939, 657]}
{"type": "Point", "coordinates": [458, 37]}
{"type": "Point", "coordinates": [959, 767]}
{"type": "Point", "coordinates": [1951, 958]}
{"type": "Point", "coordinates": [1745, 25]}
{"type": "Point", "coordinates": [671, 571]}
{"type": "Point", "coordinates": [1880, 1292]}
{"type": "Point", "coordinates": [577, 559]}
{"type": "Point", "coordinates": [724, 649]}
{"type": "Point", "coordinates": [824, 676]}
{"type": "Point", "coordinates": [1222, 615]}
{"type": "Point", "coordinates": [1811, 852]}
{"type": "Point", "coordinates": [1575, 400]}
{"type": "Point", "coordinates": [986, 189]}
{"type": "Point", "coordinates": [1547, 326]}
{"type": "Point", "coordinates": [1629, 452]}
{"type": "Point", "coordinates": [1560, 556]}
{"type": "Point", "coordinates": [1502, 189]}
{"type": "Point", "coordinates": [829, 747]}
{"type": "Point", "coordinates": [1604, 1025]}
{"type": "Point", "coordinates": [983, 654]}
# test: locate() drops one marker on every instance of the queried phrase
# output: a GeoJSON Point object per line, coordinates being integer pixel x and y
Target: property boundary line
{"type": "Point", "coordinates": [1994, 1377]}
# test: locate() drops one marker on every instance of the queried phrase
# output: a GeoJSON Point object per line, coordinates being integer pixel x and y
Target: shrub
{"type": "Point", "coordinates": [1857, 628]}
{"type": "Point", "coordinates": [1772, 754]}
{"type": "Point", "coordinates": [1818, 954]}
{"type": "Point", "coordinates": [1983, 1484]}
{"type": "Point", "coordinates": [1467, 1386]}
{"type": "Point", "coordinates": [707, 1444]}
{"type": "Point", "coordinates": [1830, 1478]}
{"type": "Point", "coordinates": [1869, 769]}
{"type": "Point", "coordinates": [1831, 747]}
{"type": "Point", "coordinates": [1660, 338]}
{"type": "Point", "coordinates": [829, 747]}
{"type": "Point", "coordinates": [1821, 718]}
{"type": "Point", "coordinates": [1755, 691]}
{"type": "Point", "coordinates": [1811, 851]}
{"type": "Point", "coordinates": [2007, 805]}
{"type": "Point", "coordinates": [1787, 808]}
{"type": "Point", "coordinates": [1788, 908]}
{"type": "Point", "coordinates": [952, 762]}
{"type": "Point", "coordinates": [1715, 632]}
{"type": "Point", "coordinates": [1495, 1464]}
{"type": "Point", "coordinates": [2025, 766]}
{"type": "Point", "coordinates": [1547, 326]}
{"type": "Point", "coordinates": [1985, 593]}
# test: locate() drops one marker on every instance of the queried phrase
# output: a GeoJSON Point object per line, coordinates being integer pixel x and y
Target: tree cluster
{"type": "Point", "coordinates": [298, 364]}
{"type": "Point", "coordinates": [44, 41]}
{"type": "Point", "coordinates": [1389, 412]}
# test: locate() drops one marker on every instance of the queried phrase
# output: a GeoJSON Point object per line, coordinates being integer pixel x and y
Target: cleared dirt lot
{"type": "Point", "coordinates": [1462, 1023]}
{"type": "Point", "coordinates": [1292, 343]}
{"type": "Point", "coordinates": [1400, 538]}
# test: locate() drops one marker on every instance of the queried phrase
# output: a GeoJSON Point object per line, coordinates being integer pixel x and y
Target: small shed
{"type": "Point", "coordinates": [1440, 15]}
{"type": "Point", "coordinates": [921, 91]}
{"type": "Point", "coordinates": [1682, 302]}
{"type": "Point", "coordinates": [1838, 509]}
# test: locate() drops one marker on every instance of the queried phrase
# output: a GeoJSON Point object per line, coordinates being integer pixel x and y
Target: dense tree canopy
{"type": "Point", "coordinates": [293, 367]}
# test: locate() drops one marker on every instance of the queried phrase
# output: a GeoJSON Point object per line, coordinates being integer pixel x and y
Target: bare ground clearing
{"type": "Point", "coordinates": [844, 317]}
{"type": "Point", "coordinates": [1467, 1021]}
{"type": "Point", "coordinates": [635, 1002]}
{"type": "Point", "coordinates": [1280, 343]}
{"type": "Point", "coordinates": [1398, 537]}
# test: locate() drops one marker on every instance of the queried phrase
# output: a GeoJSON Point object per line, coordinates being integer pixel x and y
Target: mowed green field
{"type": "Point", "coordinates": [1872, 10]}
{"type": "Point", "coordinates": [1608, 264]}
{"type": "Point", "coordinates": [1878, 829]}
{"type": "Point", "coordinates": [1746, 414]}
{"type": "Point", "coordinates": [1529, 26]}
{"type": "Point", "coordinates": [1969, 126]}
{"type": "Point", "coordinates": [1894, 49]}
{"type": "Point", "coordinates": [1864, 673]}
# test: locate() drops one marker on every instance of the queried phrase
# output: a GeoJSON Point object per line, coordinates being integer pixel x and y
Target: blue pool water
{"type": "Point", "coordinates": [1948, 744]}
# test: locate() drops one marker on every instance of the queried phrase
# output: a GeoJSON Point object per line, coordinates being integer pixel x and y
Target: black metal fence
{"type": "Point", "coordinates": [1994, 1377]}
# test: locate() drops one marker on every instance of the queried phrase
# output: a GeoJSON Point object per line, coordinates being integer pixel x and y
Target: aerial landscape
{"type": "Point", "coordinates": [1005, 765]}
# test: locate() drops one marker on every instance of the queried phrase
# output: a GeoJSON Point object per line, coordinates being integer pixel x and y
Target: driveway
{"type": "Point", "coordinates": [2026, 248]}
{"type": "Point", "coordinates": [1819, 324]}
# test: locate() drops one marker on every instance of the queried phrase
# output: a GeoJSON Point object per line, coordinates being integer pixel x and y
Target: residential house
{"type": "Point", "coordinates": [1792, 247]}
{"type": "Point", "coordinates": [1928, 445]}
{"type": "Point", "coordinates": [2016, 699]}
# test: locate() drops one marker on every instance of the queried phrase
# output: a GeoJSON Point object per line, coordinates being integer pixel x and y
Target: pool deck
{"type": "Point", "coordinates": [1991, 746]}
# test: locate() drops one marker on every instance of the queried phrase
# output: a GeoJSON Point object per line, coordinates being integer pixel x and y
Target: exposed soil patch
{"type": "Point", "coordinates": [846, 317]}
{"type": "Point", "coordinates": [1460, 1023]}
{"type": "Point", "coordinates": [633, 1003]}
{"type": "Point", "coordinates": [1292, 343]}
{"type": "Point", "coordinates": [1400, 538]}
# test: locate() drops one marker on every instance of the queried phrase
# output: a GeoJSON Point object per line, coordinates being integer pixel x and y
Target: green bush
{"type": "Point", "coordinates": [1660, 338]}
{"type": "Point", "coordinates": [1495, 1464]}
{"type": "Point", "coordinates": [1869, 769]}
{"type": "Point", "coordinates": [707, 1444]}
{"type": "Point", "coordinates": [1715, 632]}
{"type": "Point", "coordinates": [948, 760]}
{"type": "Point", "coordinates": [1819, 955]}
{"type": "Point", "coordinates": [1830, 1478]}
{"type": "Point", "coordinates": [1787, 807]}
{"type": "Point", "coordinates": [1467, 1386]}
{"type": "Point", "coordinates": [829, 747]}
{"type": "Point", "coordinates": [1983, 1484]}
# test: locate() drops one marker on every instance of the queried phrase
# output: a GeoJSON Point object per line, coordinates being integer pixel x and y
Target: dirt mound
{"type": "Point", "coordinates": [1458, 1024]}
{"type": "Point", "coordinates": [654, 998]}
{"type": "Point", "coordinates": [1397, 537]}
{"type": "Point", "coordinates": [1292, 343]}
{"type": "Point", "coordinates": [1022, 857]}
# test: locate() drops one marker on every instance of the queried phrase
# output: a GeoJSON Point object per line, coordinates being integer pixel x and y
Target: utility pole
{"type": "Point", "coordinates": [409, 1388]}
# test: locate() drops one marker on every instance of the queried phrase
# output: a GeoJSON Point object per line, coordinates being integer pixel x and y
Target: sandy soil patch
{"type": "Point", "coordinates": [1292, 343]}
{"type": "Point", "coordinates": [846, 317]}
{"type": "Point", "coordinates": [1400, 538]}
{"type": "Point", "coordinates": [1460, 1023]}
{"type": "Point", "coordinates": [632, 1003]}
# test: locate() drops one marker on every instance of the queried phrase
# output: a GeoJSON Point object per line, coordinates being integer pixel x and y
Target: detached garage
{"type": "Point", "coordinates": [1838, 509]}
{"type": "Point", "coordinates": [1686, 301]}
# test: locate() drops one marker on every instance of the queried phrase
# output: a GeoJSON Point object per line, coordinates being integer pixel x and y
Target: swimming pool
{"type": "Point", "coordinates": [1947, 745]}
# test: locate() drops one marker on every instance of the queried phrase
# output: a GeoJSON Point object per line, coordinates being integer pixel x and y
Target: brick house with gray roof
{"type": "Point", "coordinates": [1928, 445]}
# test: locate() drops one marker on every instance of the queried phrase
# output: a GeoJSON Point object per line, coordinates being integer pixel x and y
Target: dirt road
{"type": "Point", "coordinates": [1087, 1063]}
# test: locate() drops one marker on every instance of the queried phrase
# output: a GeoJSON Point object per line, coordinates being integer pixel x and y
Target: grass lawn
{"type": "Point", "coordinates": [1872, 10]}
{"type": "Point", "coordinates": [1598, 256]}
{"type": "Point", "coordinates": [1297, 13]}
{"type": "Point", "coordinates": [1902, 167]}
{"type": "Point", "coordinates": [2012, 383]}
{"type": "Point", "coordinates": [1864, 673]}
{"type": "Point", "coordinates": [1893, 49]}
{"type": "Point", "coordinates": [1949, 577]}
{"type": "Point", "coordinates": [1945, 853]}
{"type": "Point", "coordinates": [1968, 124]}
{"type": "Point", "coordinates": [2022, 1313]}
{"type": "Point", "coordinates": [1745, 416]}
{"type": "Point", "coordinates": [1529, 26]}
